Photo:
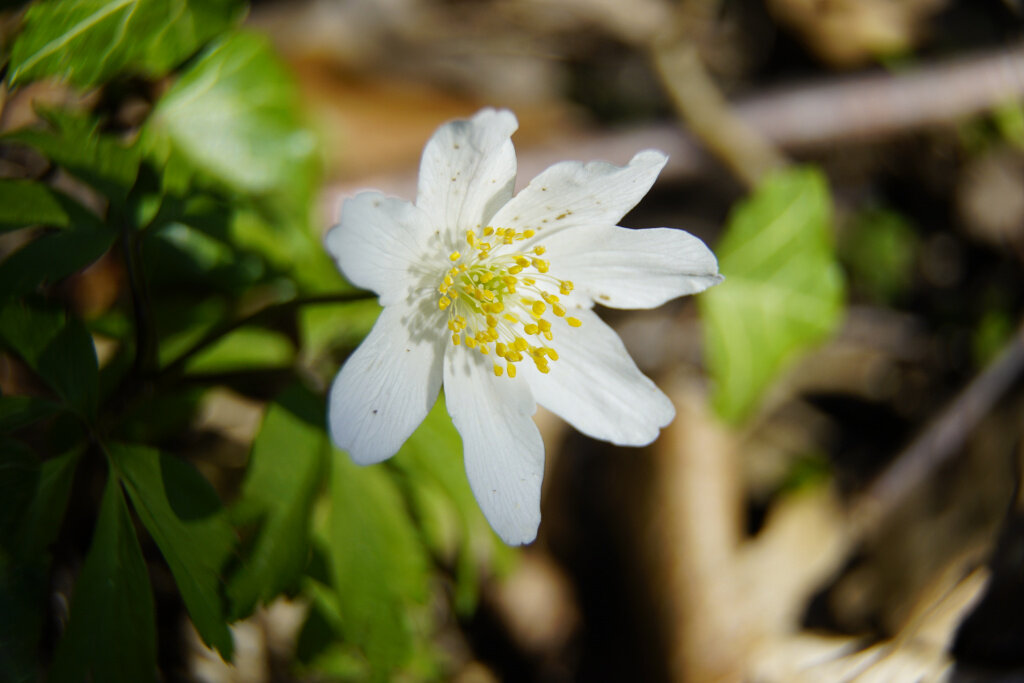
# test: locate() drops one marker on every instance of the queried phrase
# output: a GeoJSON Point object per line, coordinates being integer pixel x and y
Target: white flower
{"type": "Point", "coordinates": [491, 295]}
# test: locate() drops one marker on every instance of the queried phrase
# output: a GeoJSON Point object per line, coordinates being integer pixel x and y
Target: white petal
{"type": "Point", "coordinates": [596, 387]}
{"type": "Point", "coordinates": [378, 244]}
{"type": "Point", "coordinates": [571, 194]}
{"type": "Point", "coordinates": [502, 447]}
{"type": "Point", "coordinates": [625, 268]}
{"type": "Point", "coordinates": [467, 172]}
{"type": "Point", "coordinates": [386, 387]}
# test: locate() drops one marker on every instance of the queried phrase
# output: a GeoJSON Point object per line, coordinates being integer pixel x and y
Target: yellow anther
{"type": "Point", "coordinates": [541, 265]}
{"type": "Point", "coordinates": [511, 370]}
{"type": "Point", "coordinates": [527, 234]}
{"type": "Point", "coordinates": [497, 371]}
{"type": "Point", "coordinates": [500, 232]}
{"type": "Point", "coordinates": [529, 281]}
{"type": "Point", "coordinates": [470, 342]}
{"type": "Point", "coordinates": [573, 322]}
{"type": "Point", "coordinates": [470, 237]}
{"type": "Point", "coordinates": [545, 325]}
{"type": "Point", "coordinates": [521, 344]}
{"type": "Point", "coordinates": [509, 280]}
{"type": "Point", "coordinates": [500, 349]}
{"type": "Point", "coordinates": [491, 321]}
{"type": "Point", "coordinates": [558, 309]}
{"type": "Point", "coordinates": [454, 256]}
{"type": "Point", "coordinates": [552, 354]}
{"type": "Point", "coordinates": [483, 349]}
{"type": "Point", "coordinates": [539, 250]}
{"type": "Point", "coordinates": [531, 329]}
{"type": "Point", "coordinates": [515, 270]}
{"type": "Point", "coordinates": [523, 261]}
{"type": "Point", "coordinates": [539, 308]}
{"type": "Point", "coordinates": [444, 302]}
{"type": "Point", "coordinates": [497, 307]}
{"type": "Point", "coordinates": [488, 231]}
{"type": "Point", "coordinates": [453, 293]}
{"type": "Point", "coordinates": [550, 298]}
{"type": "Point", "coordinates": [565, 286]}
{"type": "Point", "coordinates": [488, 294]}
{"type": "Point", "coordinates": [486, 277]}
{"type": "Point", "coordinates": [456, 338]}
{"type": "Point", "coordinates": [511, 318]}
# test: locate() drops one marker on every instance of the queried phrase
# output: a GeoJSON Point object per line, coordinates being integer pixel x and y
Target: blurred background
{"type": "Point", "coordinates": [838, 498]}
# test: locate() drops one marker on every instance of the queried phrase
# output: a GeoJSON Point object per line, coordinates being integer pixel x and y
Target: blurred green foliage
{"type": "Point", "coordinates": [205, 211]}
{"type": "Point", "coordinates": [783, 289]}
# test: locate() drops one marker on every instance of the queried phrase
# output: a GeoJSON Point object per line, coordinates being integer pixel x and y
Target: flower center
{"type": "Point", "coordinates": [497, 299]}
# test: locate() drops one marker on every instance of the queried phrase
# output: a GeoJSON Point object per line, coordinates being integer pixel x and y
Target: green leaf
{"type": "Point", "coordinates": [379, 567]}
{"type": "Point", "coordinates": [86, 42]}
{"type": "Point", "coordinates": [74, 142]}
{"type": "Point", "coordinates": [26, 203]}
{"type": "Point", "coordinates": [455, 526]}
{"type": "Point", "coordinates": [57, 348]}
{"type": "Point", "coordinates": [182, 513]}
{"type": "Point", "coordinates": [50, 258]}
{"type": "Point", "coordinates": [245, 349]}
{"type": "Point", "coordinates": [20, 411]}
{"type": "Point", "coordinates": [282, 478]}
{"type": "Point", "coordinates": [234, 114]}
{"type": "Point", "coordinates": [111, 634]}
{"type": "Point", "coordinates": [33, 497]}
{"type": "Point", "coordinates": [783, 290]}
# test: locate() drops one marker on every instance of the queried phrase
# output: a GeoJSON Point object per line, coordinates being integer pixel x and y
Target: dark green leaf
{"type": "Point", "coordinates": [379, 565]}
{"type": "Point", "coordinates": [25, 203]}
{"type": "Point", "coordinates": [783, 290]}
{"type": "Point", "coordinates": [57, 348]}
{"type": "Point", "coordinates": [183, 514]}
{"type": "Point", "coordinates": [19, 473]}
{"type": "Point", "coordinates": [50, 258]}
{"type": "Point", "coordinates": [86, 42]}
{"type": "Point", "coordinates": [111, 635]}
{"type": "Point", "coordinates": [234, 114]}
{"type": "Point", "coordinates": [282, 478]}
{"type": "Point", "coordinates": [42, 519]}
{"type": "Point", "coordinates": [19, 411]}
{"type": "Point", "coordinates": [73, 142]}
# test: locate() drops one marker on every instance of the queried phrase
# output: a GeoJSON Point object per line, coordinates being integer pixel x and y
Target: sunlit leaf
{"type": "Point", "coordinates": [783, 290]}
{"type": "Point", "coordinates": [57, 348]}
{"type": "Point", "coordinates": [234, 113]}
{"type": "Point", "coordinates": [74, 142]}
{"type": "Point", "coordinates": [281, 480]}
{"type": "Point", "coordinates": [86, 42]}
{"type": "Point", "coordinates": [244, 349]}
{"type": "Point", "coordinates": [111, 633]}
{"type": "Point", "coordinates": [379, 567]}
{"type": "Point", "coordinates": [183, 514]}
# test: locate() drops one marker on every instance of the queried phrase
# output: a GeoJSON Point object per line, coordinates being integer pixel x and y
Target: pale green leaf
{"type": "Point", "coordinates": [111, 635]}
{"type": "Point", "coordinates": [86, 42]}
{"type": "Point", "coordinates": [234, 114]}
{"type": "Point", "coordinates": [281, 480]}
{"type": "Point", "coordinates": [783, 290]}
{"type": "Point", "coordinates": [183, 514]}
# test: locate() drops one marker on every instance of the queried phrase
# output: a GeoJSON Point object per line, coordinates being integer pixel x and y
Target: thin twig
{"type": "Point", "coordinates": [942, 439]}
